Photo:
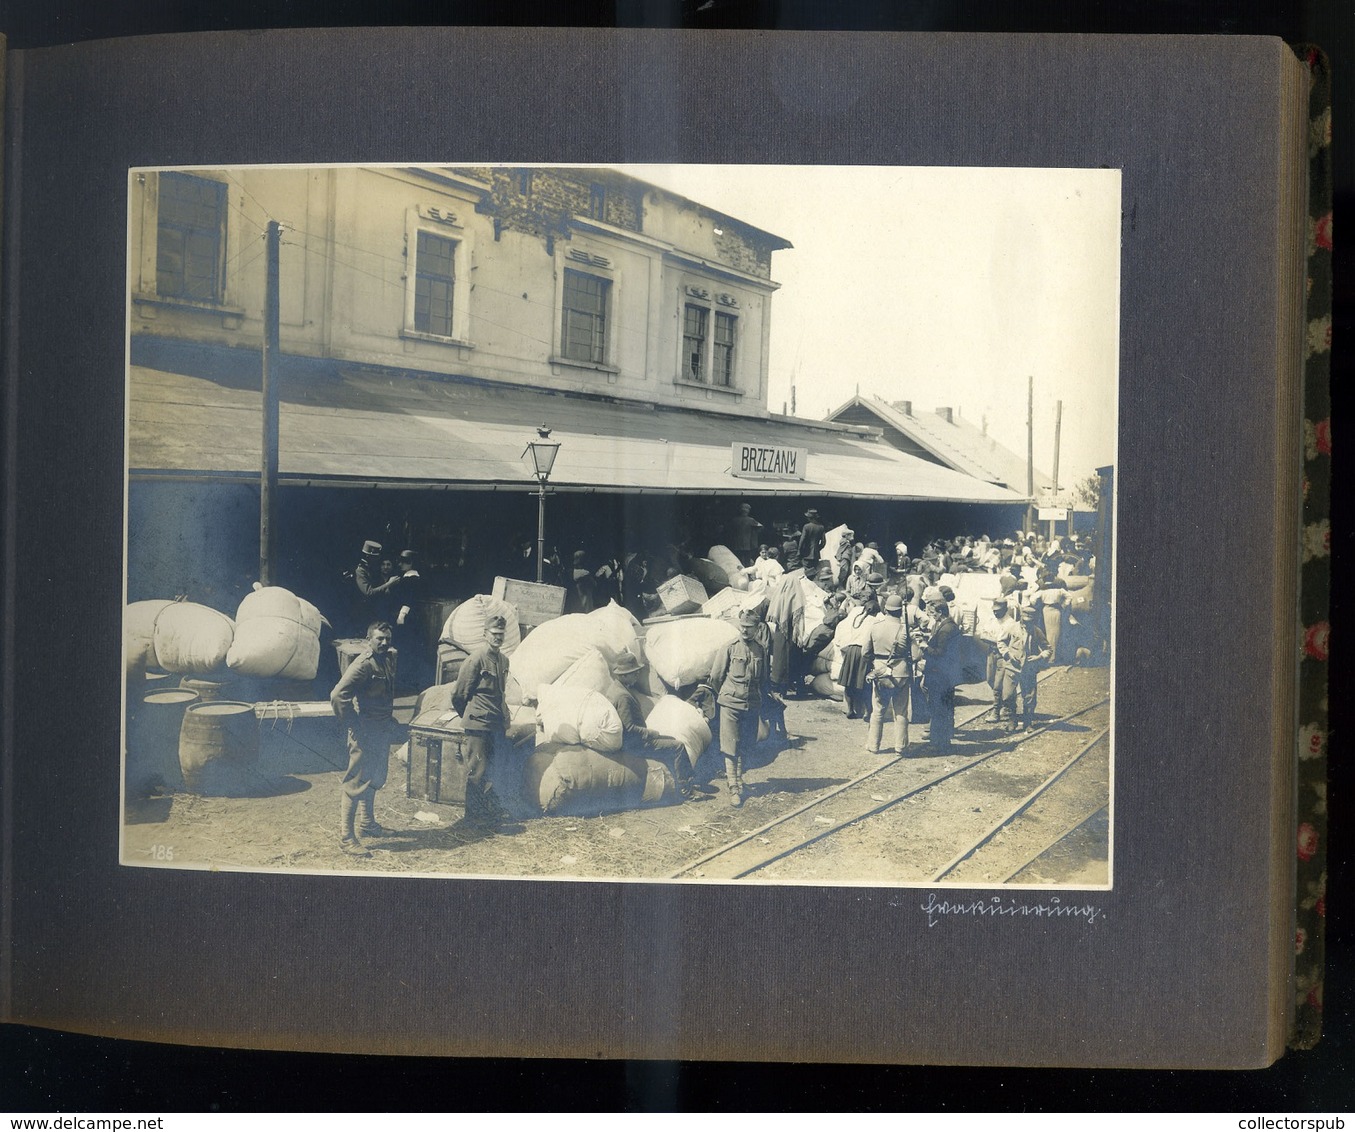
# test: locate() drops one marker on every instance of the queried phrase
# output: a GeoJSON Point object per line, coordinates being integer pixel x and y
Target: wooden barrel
{"type": "Point", "coordinates": [218, 747]}
{"type": "Point", "coordinates": [206, 690]}
{"type": "Point", "coordinates": [153, 738]}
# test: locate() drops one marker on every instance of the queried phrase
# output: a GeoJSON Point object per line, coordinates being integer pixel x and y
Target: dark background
{"type": "Point", "coordinates": [41, 1070]}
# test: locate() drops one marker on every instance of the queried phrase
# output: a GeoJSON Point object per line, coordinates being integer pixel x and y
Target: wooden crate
{"type": "Point", "coordinates": [682, 594]}
{"type": "Point", "coordinates": [535, 602]}
{"type": "Point", "coordinates": [437, 765]}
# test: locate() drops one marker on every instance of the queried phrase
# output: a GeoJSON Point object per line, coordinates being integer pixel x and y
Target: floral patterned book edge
{"type": "Point", "coordinates": [1315, 576]}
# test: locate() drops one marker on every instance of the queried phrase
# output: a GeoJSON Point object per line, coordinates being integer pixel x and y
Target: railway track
{"type": "Point", "coordinates": [899, 781]}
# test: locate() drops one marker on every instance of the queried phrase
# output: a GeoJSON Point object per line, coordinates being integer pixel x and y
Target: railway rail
{"type": "Point", "coordinates": [880, 790]}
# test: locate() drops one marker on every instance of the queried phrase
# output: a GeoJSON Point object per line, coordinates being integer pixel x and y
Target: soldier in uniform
{"type": "Point", "coordinates": [891, 665]}
{"type": "Point", "coordinates": [938, 681]}
{"type": "Point", "coordinates": [812, 536]}
{"type": "Point", "coordinates": [363, 698]}
{"type": "Point", "coordinates": [370, 585]}
{"type": "Point", "coordinates": [740, 679]}
{"type": "Point", "coordinates": [479, 698]}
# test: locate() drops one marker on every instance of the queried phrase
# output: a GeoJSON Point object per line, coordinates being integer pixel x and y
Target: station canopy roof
{"type": "Point", "coordinates": [368, 428]}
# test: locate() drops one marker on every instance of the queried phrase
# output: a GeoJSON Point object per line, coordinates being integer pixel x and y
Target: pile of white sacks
{"type": "Point", "coordinates": [274, 633]}
{"type": "Point", "coordinates": [560, 676]}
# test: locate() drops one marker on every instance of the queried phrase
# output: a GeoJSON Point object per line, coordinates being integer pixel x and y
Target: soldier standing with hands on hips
{"type": "Point", "coordinates": [363, 699]}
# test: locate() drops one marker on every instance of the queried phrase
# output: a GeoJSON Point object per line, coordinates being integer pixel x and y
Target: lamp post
{"type": "Point", "coordinates": [543, 451]}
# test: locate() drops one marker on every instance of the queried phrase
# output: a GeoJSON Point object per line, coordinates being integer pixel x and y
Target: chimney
{"type": "Point", "coordinates": [905, 407]}
{"type": "Point", "coordinates": [946, 414]}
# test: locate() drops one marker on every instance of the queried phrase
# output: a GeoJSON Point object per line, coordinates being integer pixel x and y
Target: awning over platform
{"type": "Point", "coordinates": [368, 429]}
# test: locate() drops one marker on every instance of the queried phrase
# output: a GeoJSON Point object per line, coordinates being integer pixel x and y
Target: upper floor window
{"type": "Point", "coordinates": [190, 235]}
{"type": "Point", "coordinates": [597, 201]}
{"type": "Point", "coordinates": [694, 323]}
{"type": "Point", "coordinates": [434, 277]}
{"type": "Point", "coordinates": [722, 360]}
{"type": "Point", "coordinates": [583, 325]}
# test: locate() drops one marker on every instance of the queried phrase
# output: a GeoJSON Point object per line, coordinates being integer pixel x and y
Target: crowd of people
{"type": "Point", "coordinates": [895, 620]}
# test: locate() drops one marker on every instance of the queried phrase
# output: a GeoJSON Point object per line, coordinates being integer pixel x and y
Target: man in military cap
{"type": "Point", "coordinates": [369, 583]}
{"type": "Point", "coordinates": [890, 661]}
{"type": "Point", "coordinates": [1030, 652]}
{"type": "Point", "coordinates": [739, 679]}
{"type": "Point", "coordinates": [939, 677]}
{"type": "Point", "coordinates": [363, 699]}
{"type": "Point", "coordinates": [480, 699]}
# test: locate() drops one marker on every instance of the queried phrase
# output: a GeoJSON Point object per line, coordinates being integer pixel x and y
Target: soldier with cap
{"type": "Point", "coordinates": [1029, 652]}
{"type": "Point", "coordinates": [636, 737]}
{"type": "Point", "coordinates": [740, 679]}
{"type": "Point", "coordinates": [363, 700]}
{"type": "Point", "coordinates": [939, 676]}
{"type": "Point", "coordinates": [890, 656]}
{"type": "Point", "coordinates": [480, 699]}
{"type": "Point", "coordinates": [997, 635]}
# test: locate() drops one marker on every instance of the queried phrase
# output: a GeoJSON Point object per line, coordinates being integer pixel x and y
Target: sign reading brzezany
{"type": "Point", "coordinates": [768, 461]}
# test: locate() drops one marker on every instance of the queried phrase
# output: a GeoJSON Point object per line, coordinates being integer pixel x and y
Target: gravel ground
{"type": "Point", "coordinates": [290, 818]}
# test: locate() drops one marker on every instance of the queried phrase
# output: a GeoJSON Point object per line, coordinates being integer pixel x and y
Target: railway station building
{"type": "Point", "coordinates": [430, 319]}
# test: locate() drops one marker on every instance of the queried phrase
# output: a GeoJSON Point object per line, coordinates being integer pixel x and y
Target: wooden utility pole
{"type": "Point", "coordinates": [1030, 454]}
{"type": "Point", "coordinates": [268, 475]}
{"type": "Point", "coordinates": [1058, 427]}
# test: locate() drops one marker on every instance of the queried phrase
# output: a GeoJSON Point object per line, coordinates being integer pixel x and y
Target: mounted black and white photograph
{"type": "Point", "coordinates": [683, 523]}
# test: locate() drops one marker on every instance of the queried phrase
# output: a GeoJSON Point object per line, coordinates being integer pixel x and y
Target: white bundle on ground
{"type": "Point", "coordinates": [276, 634]}
{"type": "Point", "coordinates": [138, 633]}
{"type": "Point", "coordinates": [677, 719]}
{"type": "Point", "coordinates": [727, 561]}
{"type": "Point", "coordinates": [683, 652]}
{"type": "Point", "coordinates": [590, 671]}
{"type": "Point", "coordinates": [577, 716]}
{"type": "Point", "coordinates": [574, 780]}
{"type": "Point", "coordinates": [466, 625]}
{"type": "Point", "coordinates": [192, 639]}
{"type": "Point", "coordinates": [974, 594]}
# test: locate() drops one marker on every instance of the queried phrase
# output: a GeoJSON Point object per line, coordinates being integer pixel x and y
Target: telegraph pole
{"type": "Point", "coordinates": [1058, 428]}
{"type": "Point", "coordinates": [1030, 454]}
{"type": "Point", "coordinates": [268, 475]}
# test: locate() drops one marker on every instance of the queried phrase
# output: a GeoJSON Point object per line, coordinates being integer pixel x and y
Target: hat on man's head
{"type": "Point", "coordinates": [825, 573]}
{"type": "Point", "coordinates": [931, 595]}
{"type": "Point", "coordinates": [893, 604]}
{"type": "Point", "coordinates": [626, 662]}
{"type": "Point", "coordinates": [947, 593]}
{"type": "Point", "coordinates": [407, 556]}
{"type": "Point", "coordinates": [1008, 582]}
{"type": "Point", "coordinates": [371, 548]}
{"type": "Point", "coordinates": [811, 514]}
{"type": "Point", "coordinates": [875, 581]}
{"type": "Point", "coordinates": [495, 621]}
{"type": "Point", "coordinates": [746, 508]}
{"type": "Point", "coordinates": [750, 617]}
{"type": "Point", "coordinates": [1000, 603]}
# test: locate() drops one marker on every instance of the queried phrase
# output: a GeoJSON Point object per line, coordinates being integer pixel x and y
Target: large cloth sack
{"type": "Point", "coordinates": [684, 652]}
{"type": "Point", "coordinates": [551, 648]}
{"type": "Point", "coordinates": [677, 719]}
{"type": "Point", "coordinates": [138, 633]}
{"type": "Point", "coordinates": [615, 630]}
{"type": "Point", "coordinates": [727, 561]}
{"type": "Point", "coordinates": [466, 625]}
{"type": "Point", "coordinates": [591, 671]}
{"type": "Point", "coordinates": [811, 601]}
{"type": "Point", "coordinates": [191, 639]}
{"type": "Point", "coordinates": [712, 576]}
{"type": "Point", "coordinates": [567, 780]}
{"type": "Point", "coordinates": [825, 685]}
{"type": "Point", "coordinates": [577, 717]}
{"type": "Point", "coordinates": [276, 634]}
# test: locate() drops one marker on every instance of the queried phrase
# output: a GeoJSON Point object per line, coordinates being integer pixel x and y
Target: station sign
{"type": "Point", "coordinates": [753, 461]}
{"type": "Point", "coordinates": [1054, 514]}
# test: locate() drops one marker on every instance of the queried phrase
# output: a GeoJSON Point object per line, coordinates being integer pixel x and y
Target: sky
{"type": "Point", "coordinates": [941, 286]}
